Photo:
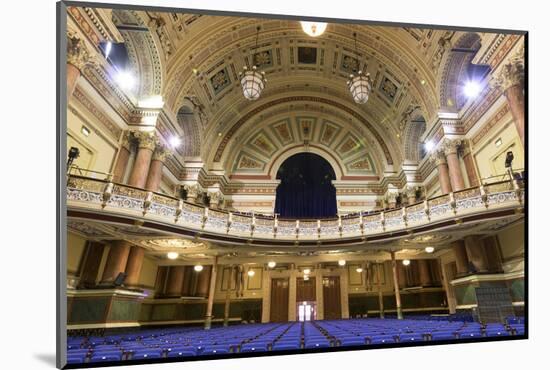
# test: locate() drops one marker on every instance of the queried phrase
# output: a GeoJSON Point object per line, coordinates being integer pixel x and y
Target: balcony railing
{"type": "Point", "coordinates": [86, 192]}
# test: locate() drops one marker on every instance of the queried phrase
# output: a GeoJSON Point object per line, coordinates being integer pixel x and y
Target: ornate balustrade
{"type": "Point", "coordinates": [104, 196]}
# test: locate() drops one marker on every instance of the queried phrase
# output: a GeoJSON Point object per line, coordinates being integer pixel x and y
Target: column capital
{"type": "Point", "coordinates": [451, 146]}
{"type": "Point", "coordinates": [512, 72]}
{"type": "Point", "coordinates": [146, 139]}
{"type": "Point", "coordinates": [215, 197]}
{"type": "Point", "coordinates": [77, 52]}
{"type": "Point", "coordinates": [410, 191]}
{"type": "Point", "coordinates": [438, 157]}
{"type": "Point", "coordinates": [192, 190]}
{"type": "Point", "coordinates": [126, 140]}
{"type": "Point", "coordinates": [161, 153]}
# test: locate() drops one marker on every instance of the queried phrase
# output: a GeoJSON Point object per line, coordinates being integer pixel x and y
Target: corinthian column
{"type": "Point", "coordinates": [396, 286]}
{"type": "Point", "coordinates": [77, 58]}
{"type": "Point", "coordinates": [211, 292]}
{"type": "Point", "coordinates": [155, 169]}
{"type": "Point", "coordinates": [147, 143]}
{"type": "Point", "coordinates": [510, 80]}
{"type": "Point", "coordinates": [442, 171]}
{"type": "Point", "coordinates": [122, 159]}
{"type": "Point", "coordinates": [450, 148]}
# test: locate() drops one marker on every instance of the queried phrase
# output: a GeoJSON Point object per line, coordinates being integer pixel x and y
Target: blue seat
{"type": "Point", "coordinates": [469, 334]}
{"type": "Point", "coordinates": [411, 337]}
{"type": "Point", "coordinates": [381, 339]}
{"type": "Point", "coordinates": [352, 341]}
{"type": "Point", "coordinates": [147, 353]}
{"type": "Point", "coordinates": [214, 350]}
{"type": "Point", "coordinates": [496, 333]}
{"type": "Point", "coordinates": [182, 352]}
{"type": "Point", "coordinates": [254, 347]}
{"type": "Point", "coordinates": [281, 346]}
{"type": "Point", "coordinates": [106, 356]}
{"type": "Point", "coordinates": [75, 359]}
{"type": "Point", "coordinates": [443, 335]}
{"type": "Point", "coordinates": [322, 343]}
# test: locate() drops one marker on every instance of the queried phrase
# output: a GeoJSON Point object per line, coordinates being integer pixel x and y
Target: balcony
{"type": "Point", "coordinates": [93, 199]}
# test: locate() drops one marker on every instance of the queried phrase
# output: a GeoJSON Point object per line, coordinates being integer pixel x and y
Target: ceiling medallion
{"type": "Point", "coordinates": [253, 81]}
{"type": "Point", "coordinates": [313, 29]}
{"type": "Point", "coordinates": [359, 85]}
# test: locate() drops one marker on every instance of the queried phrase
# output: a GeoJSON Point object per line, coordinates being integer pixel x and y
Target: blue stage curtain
{"type": "Point", "coordinates": [306, 189]}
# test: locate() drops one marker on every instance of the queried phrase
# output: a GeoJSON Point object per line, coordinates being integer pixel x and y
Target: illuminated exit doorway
{"type": "Point", "coordinates": [307, 311]}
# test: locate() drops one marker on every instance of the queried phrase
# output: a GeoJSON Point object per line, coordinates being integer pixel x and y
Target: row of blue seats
{"type": "Point", "coordinates": [185, 342]}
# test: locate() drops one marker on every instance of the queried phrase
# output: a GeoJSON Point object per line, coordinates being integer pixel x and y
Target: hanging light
{"type": "Point", "coordinates": [341, 262]}
{"type": "Point", "coordinates": [307, 271]}
{"type": "Point", "coordinates": [359, 85]}
{"type": "Point", "coordinates": [406, 262]}
{"type": "Point", "coordinates": [313, 29]}
{"type": "Point", "coordinates": [251, 273]}
{"type": "Point", "coordinates": [359, 270]}
{"type": "Point", "coordinates": [198, 268]}
{"type": "Point", "coordinates": [429, 249]}
{"type": "Point", "coordinates": [271, 264]}
{"type": "Point", "coordinates": [172, 255]}
{"type": "Point", "coordinates": [252, 81]}
{"type": "Point", "coordinates": [306, 277]}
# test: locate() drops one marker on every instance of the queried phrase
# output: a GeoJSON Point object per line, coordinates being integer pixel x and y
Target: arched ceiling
{"type": "Point", "coordinates": [203, 55]}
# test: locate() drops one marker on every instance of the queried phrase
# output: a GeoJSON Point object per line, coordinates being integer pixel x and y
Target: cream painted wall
{"type": "Point", "coordinates": [490, 158]}
{"type": "Point", "coordinates": [75, 249]}
{"type": "Point", "coordinates": [148, 273]}
{"type": "Point", "coordinates": [512, 241]}
{"type": "Point", "coordinates": [96, 152]}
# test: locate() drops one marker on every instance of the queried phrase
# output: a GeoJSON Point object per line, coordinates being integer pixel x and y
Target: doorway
{"type": "Point", "coordinates": [307, 311]}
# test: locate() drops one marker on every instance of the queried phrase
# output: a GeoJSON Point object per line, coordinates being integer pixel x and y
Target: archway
{"type": "Point", "coordinates": [306, 189]}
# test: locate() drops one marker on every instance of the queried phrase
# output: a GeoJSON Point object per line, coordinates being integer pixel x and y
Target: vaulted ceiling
{"type": "Point", "coordinates": [200, 57]}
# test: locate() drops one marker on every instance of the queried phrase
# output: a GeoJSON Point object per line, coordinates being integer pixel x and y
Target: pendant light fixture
{"type": "Point", "coordinates": [252, 81]}
{"type": "Point", "coordinates": [359, 84]}
{"type": "Point", "coordinates": [313, 29]}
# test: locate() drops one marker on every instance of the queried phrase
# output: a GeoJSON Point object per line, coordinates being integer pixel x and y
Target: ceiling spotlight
{"type": "Point", "coordinates": [313, 29]}
{"type": "Point", "coordinates": [429, 249]}
{"type": "Point", "coordinates": [198, 268]}
{"type": "Point", "coordinates": [359, 270]}
{"type": "Point", "coordinates": [251, 273]}
{"type": "Point", "coordinates": [172, 255]}
{"type": "Point", "coordinates": [342, 263]}
{"type": "Point", "coordinates": [406, 262]}
{"type": "Point", "coordinates": [472, 89]}
{"type": "Point", "coordinates": [271, 264]}
{"type": "Point", "coordinates": [125, 80]}
{"type": "Point", "coordinates": [175, 141]}
{"type": "Point", "coordinates": [422, 82]}
{"type": "Point", "coordinates": [85, 131]}
{"type": "Point", "coordinates": [307, 271]}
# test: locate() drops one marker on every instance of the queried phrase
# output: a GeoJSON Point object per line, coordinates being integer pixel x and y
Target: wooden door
{"type": "Point", "coordinates": [305, 290]}
{"type": "Point", "coordinates": [332, 303]}
{"type": "Point", "coordinates": [279, 300]}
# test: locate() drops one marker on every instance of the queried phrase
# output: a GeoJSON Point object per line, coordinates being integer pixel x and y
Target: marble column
{"type": "Point", "coordinates": [455, 172]}
{"type": "Point", "coordinates": [116, 261]}
{"type": "Point", "coordinates": [147, 142]}
{"type": "Point", "coordinates": [476, 253]}
{"type": "Point", "coordinates": [424, 272]}
{"type": "Point", "coordinates": [91, 262]}
{"type": "Point", "coordinates": [511, 80]}
{"type": "Point", "coordinates": [266, 295]}
{"type": "Point", "coordinates": [449, 292]}
{"type": "Point", "coordinates": [154, 176]}
{"type": "Point", "coordinates": [344, 286]}
{"type": "Point", "coordinates": [319, 294]}
{"type": "Point", "coordinates": [211, 293]}
{"type": "Point", "coordinates": [133, 266]}
{"type": "Point", "coordinates": [461, 257]}
{"type": "Point", "coordinates": [442, 171]}
{"type": "Point", "coordinates": [175, 280]}
{"type": "Point", "coordinates": [292, 295]}
{"type": "Point", "coordinates": [379, 267]}
{"type": "Point", "coordinates": [161, 280]}
{"type": "Point", "coordinates": [396, 287]}
{"type": "Point", "coordinates": [122, 159]}
{"type": "Point", "coordinates": [471, 170]}
{"type": "Point", "coordinates": [77, 58]}
{"type": "Point", "coordinates": [203, 281]}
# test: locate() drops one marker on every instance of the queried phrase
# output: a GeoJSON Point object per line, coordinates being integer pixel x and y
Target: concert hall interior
{"type": "Point", "coordinates": [241, 184]}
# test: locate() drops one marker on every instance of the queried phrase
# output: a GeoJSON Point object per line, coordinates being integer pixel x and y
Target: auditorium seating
{"type": "Point", "coordinates": [194, 341]}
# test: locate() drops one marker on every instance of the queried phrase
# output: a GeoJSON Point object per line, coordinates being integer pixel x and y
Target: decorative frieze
{"type": "Point", "coordinates": [77, 52]}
